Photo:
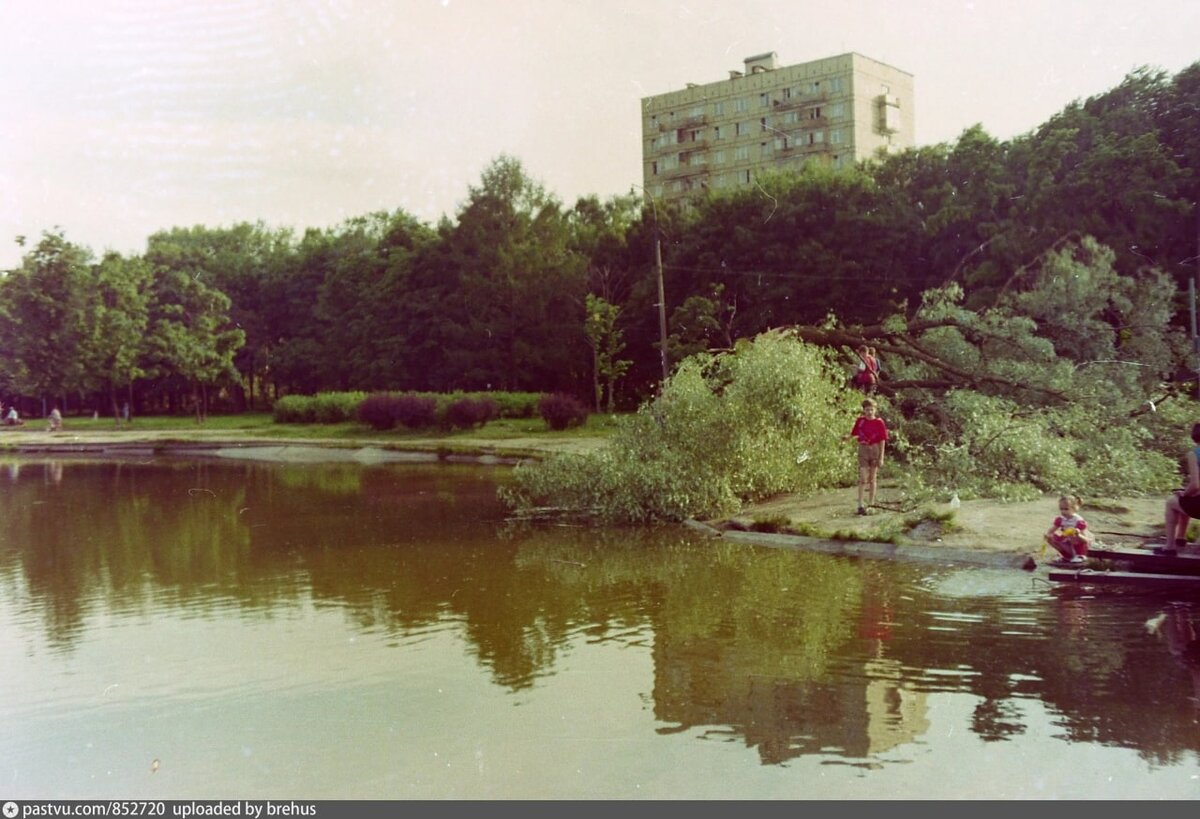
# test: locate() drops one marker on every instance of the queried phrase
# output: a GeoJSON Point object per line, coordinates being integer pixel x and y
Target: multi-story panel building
{"type": "Point", "coordinates": [837, 110]}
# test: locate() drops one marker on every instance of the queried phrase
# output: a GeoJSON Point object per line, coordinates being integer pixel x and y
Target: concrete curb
{"type": "Point", "coordinates": [266, 451]}
{"type": "Point", "coordinates": [881, 551]}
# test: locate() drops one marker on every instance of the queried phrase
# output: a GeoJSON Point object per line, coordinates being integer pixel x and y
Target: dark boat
{"type": "Point", "coordinates": [1186, 561]}
{"type": "Point", "coordinates": [1100, 577]}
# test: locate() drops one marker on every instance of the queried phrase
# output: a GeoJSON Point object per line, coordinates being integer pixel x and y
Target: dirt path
{"type": "Point", "coordinates": [981, 524]}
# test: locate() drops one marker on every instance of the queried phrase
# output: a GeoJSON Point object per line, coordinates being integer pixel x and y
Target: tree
{"type": "Point", "coordinates": [737, 426]}
{"type": "Point", "coordinates": [114, 344]}
{"type": "Point", "coordinates": [606, 343]}
{"type": "Point", "coordinates": [190, 335]}
{"type": "Point", "coordinates": [499, 303]}
{"type": "Point", "coordinates": [44, 317]}
{"type": "Point", "coordinates": [241, 261]}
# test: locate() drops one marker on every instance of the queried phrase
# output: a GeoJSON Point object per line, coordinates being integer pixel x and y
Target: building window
{"type": "Point", "coordinates": [835, 85]}
{"type": "Point", "coordinates": [787, 93]}
{"type": "Point", "coordinates": [762, 124]}
{"type": "Point", "coordinates": [814, 113]}
{"type": "Point", "coordinates": [781, 143]}
{"type": "Point", "coordinates": [764, 150]}
{"type": "Point", "coordinates": [697, 136]}
{"type": "Point", "coordinates": [744, 176]}
{"type": "Point", "coordinates": [719, 158]}
{"type": "Point", "coordinates": [698, 111]}
{"type": "Point", "coordinates": [739, 105]}
{"type": "Point", "coordinates": [835, 136]}
{"type": "Point", "coordinates": [814, 87]}
{"type": "Point", "coordinates": [654, 169]}
{"type": "Point", "coordinates": [764, 100]}
{"type": "Point", "coordinates": [719, 108]}
{"type": "Point", "coordinates": [741, 153]}
{"type": "Point", "coordinates": [837, 110]}
{"type": "Point", "coordinates": [739, 128]}
{"type": "Point", "coordinates": [656, 191]}
{"type": "Point", "coordinates": [716, 132]}
{"type": "Point", "coordinates": [816, 137]}
{"type": "Point", "coordinates": [791, 117]}
{"type": "Point", "coordinates": [654, 120]}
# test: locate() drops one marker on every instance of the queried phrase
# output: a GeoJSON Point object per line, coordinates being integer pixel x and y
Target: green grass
{"type": "Point", "coordinates": [262, 425]}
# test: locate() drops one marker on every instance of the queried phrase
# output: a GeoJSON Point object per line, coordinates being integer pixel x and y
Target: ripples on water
{"type": "Point", "coordinates": [197, 629]}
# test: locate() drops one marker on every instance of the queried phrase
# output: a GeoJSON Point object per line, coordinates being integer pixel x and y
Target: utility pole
{"type": "Point", "coordinates": [662, 308]}
{"type": "Point", "coordinates": [1193, 284]}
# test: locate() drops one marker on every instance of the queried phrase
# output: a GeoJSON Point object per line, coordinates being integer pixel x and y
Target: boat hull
{"type": "Point", "coordinates": [1144, 560]}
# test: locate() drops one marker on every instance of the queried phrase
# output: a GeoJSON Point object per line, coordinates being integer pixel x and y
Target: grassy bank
{"type": "Point", "coordinates": [523, 436]}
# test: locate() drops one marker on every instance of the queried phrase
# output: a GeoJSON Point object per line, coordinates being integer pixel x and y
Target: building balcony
{"type": "Point", "coordinates": [684, 171]}
{"type": "Point", "coordinates": [800, 101]}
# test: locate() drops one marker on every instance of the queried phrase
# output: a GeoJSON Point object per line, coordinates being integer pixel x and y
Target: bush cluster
{"type": "Point", "coordinates": [412, 410]}
{"type": "Point", "coordinates": [561, 411]}
{"type": "Point", "coordinates": [322, 408]}
{"type": "Point", "coordinates": [468, 413]}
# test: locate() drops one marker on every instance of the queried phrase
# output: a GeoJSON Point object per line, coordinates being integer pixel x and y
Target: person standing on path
{"type": "Point", "coordinates": [1184, 504]}
{"type": "Point", "coordinates": [872, 435]}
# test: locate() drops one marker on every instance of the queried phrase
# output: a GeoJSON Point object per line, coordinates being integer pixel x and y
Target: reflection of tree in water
{"type": "Point", "coordinates": [789, 653]}
{"type": "Point", "coordinates": [742, 638]}
{"type": "Point", "coordinates": [202, 533]}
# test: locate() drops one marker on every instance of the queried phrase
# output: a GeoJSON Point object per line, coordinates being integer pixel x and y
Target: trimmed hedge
{"type": "Point", "coordinates": [413, 410]}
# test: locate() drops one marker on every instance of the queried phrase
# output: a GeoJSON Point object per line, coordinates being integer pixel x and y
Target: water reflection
{"type": "Point", "coordinates": [790, 655]}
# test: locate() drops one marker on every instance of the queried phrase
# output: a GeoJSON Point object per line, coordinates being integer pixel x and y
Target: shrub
{"type": "Point", "coordinates": [560, 411]}
{"type": "Point", "coordinates": [514, 404]}
{"type": "Point", "coordinates": [415, 411]}
{"type": "Point", "coordinates": [465, 413]}
{"type": "Point", "coordinates": [324, 408]}
{"type": "Point", "coordinates": [293, 409]}
{"type": "Point", "coordinates": [377, 411]}
{"type": "Point", "coordinates": [336, 407]}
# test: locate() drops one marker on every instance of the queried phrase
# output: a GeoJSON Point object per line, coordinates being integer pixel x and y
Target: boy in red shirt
{"type": "Point", "coordinates": [871, 432]}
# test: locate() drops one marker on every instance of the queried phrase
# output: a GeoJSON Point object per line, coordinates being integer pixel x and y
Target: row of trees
{"type": "Point", "coordinates": [521, 293]}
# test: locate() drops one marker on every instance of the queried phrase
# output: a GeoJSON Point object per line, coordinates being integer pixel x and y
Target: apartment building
{"type": "Point", "coordinates": [720, 134]}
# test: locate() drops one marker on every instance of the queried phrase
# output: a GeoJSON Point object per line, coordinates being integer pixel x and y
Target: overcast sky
{"type": "Point", "coordinates": [119, 118]}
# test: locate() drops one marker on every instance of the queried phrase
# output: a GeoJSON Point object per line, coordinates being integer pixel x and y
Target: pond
{"type": "Point", "coordinates": [184, 629]}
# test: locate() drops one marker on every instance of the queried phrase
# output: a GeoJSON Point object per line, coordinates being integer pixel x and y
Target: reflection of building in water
{"type": "Point", "coordinates": [780, 710]}
{"type": "Point", "coordinates": [896, 714]}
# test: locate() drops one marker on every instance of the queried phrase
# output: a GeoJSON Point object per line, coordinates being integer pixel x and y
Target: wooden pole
{"type": "Point", "coordinates": [662, 310]}
{"type": "Point", "coordinates": [1195, 340]}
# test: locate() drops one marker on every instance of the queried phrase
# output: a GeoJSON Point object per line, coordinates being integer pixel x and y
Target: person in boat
{"type": "Point", "coordinates": [1069, 533]}
{"type": "Point", "coordinates": [1184, 504]}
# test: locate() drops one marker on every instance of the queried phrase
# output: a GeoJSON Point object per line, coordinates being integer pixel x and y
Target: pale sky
{"type": "Point", "coordinates": [119, 118]}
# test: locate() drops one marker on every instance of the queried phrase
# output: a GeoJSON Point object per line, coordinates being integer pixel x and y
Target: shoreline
{"type": "Point", "coordinates": [983, 532]}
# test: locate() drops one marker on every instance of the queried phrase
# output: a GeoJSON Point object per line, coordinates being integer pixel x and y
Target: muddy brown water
{"type": "Point", "coordinates": [176, 628]}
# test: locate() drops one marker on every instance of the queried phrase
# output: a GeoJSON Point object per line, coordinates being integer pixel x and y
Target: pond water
{"type": "Point", "coordinates": [175, 629]}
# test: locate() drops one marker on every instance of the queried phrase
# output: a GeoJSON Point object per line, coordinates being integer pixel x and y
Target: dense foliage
{"type": "Point", "coordinates": [726, 429]}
